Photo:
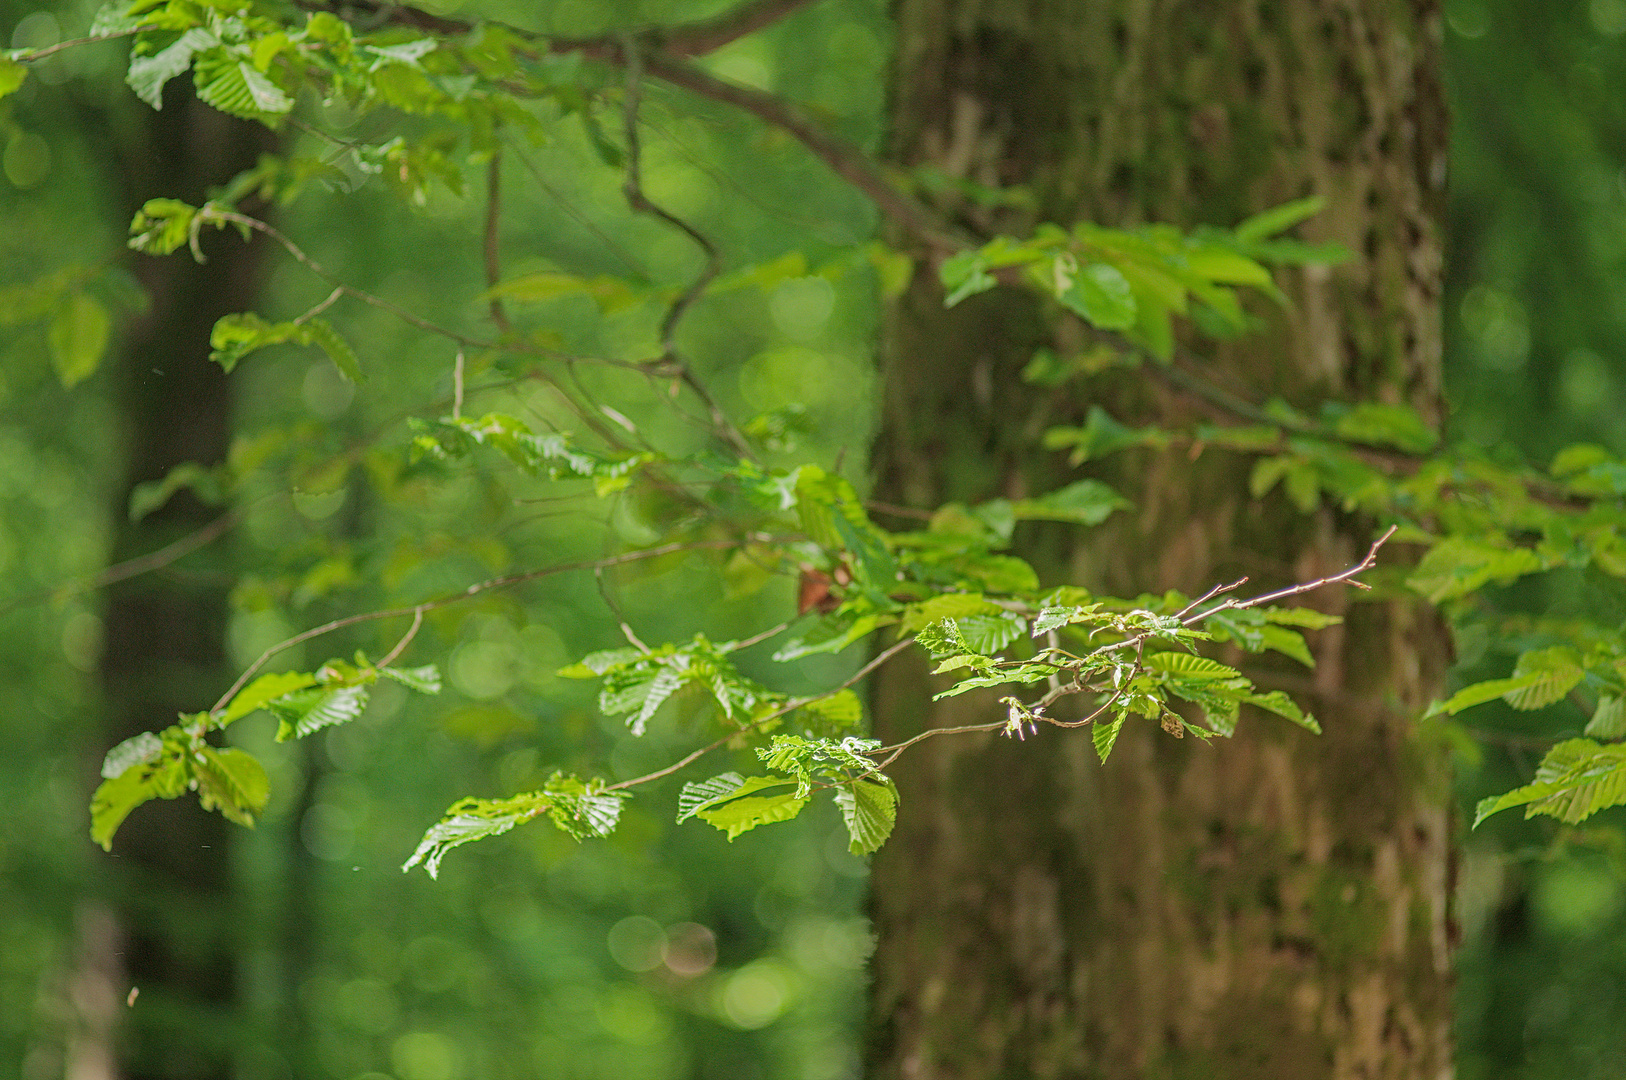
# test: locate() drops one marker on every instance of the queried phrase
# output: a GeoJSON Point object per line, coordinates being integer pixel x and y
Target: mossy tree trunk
{"type": "Point", "coordinates": [1276, 905]}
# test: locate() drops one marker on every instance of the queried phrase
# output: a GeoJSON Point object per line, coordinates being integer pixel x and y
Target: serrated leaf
{"type": "Point", "coordinates": [1052, 618]}
{"type": "Point", "coordinates": [1576, 779]}
{"type": "Point", "coordinates": [471, 819]}
{"type": "Point", "coordinates": [338, 350]}
{"type": "Point", "coordinates": [731, 803]}
{"type": "Point", "coordinates": [1458, 566]}
{"type": "Point", "coordinates": [163, 778]}
{"type": "Point", "coordinates": [257, 694]}
{"type": "Point", "coordinates": [425, 680]}
{"type": "Point", "coordinates": [1608, 719]}
{"type": "Point", "coordinates": [78, 337]}
{"type": "Point", "coordinates": [870, 809]}
{"type": "Point", "coordinates": [1104, 735]}
{"type": "Point", "coordinates": [148, 74]}
{"type": "Point", "coordinates": [233, 86]}
{"type": "Point", "coordinates": [988, 634]}
{"type": "Point", "coordinates": [945, 606]}
{"type": "Point", "coordinates": [232, 781]}
{"type": "Point", "coordinates": [1188, 666]}
{"type": "Point", "coordinates": [304, 712]}
{"type": "Point", "coordinates": [1552, 673]}
{"type": "Point", "coordinates": [1479, 693]}
{"type": "Point", "coordinates": [138, 750]}
{"type": "Point", "coordinates": [114, 18]}
{"type": "Point", "coordinates": [594, 665]}
{"type": "Point", "coordinates": [582, 808]}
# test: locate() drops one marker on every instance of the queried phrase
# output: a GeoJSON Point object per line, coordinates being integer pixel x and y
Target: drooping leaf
{"type": "Point", "coordinates": [140, 749]}
{"type": "Point", "coordinates": [1278, 702]}
{"type": "Point", "coordinates": [471, 819]}
{"type": "Point", "coordinates": [870, 809]}
{"type": "Point", "coordinates": [338, 350]}
{"type": "Point", "coordinates": [148, 74]}
{"type": "Point", "coordinates": [232, 781]}
{"type": "Point", "coordinates": [843, 709]}
{"type": "Point", "coordinates": [1277, 219]}
{"type": "Point", "coordinates": [1188, 666]}
{"type": "Point", "coordinates": [582, 808]}
{"type": "Point", "coordinates": [425, 680]}
{"type": "Point", "coordinates": [163, 777]}
{"type": "Point", "coordinates": [78, 337]}
{"type": "Point", "coordinates": [1104, 734]}
{"type": "Point", "coordinates": [304, 712]}
{"type": "Point", "coordinates": [1608, 719]}
{"type": "Point", "coordinates": [12, 76]}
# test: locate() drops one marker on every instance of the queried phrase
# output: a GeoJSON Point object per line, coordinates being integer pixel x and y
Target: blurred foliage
{"type": "Point", "coordinates": [1535, 320]}
{"type": "Point", "coordinates": [664, 952]}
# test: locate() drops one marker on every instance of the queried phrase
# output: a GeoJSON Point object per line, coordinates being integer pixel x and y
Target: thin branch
{"type": "Point", "coordinates": [47, 50]}
{"type": "Point", "coordinates": [709, 35]}
{"type": "Point", "coordinates": [790, 706]}
{"type": "Point", "coordinates": [1346, 576]}
{"type": "Point", "coordinates": [129, 568]}
{"type": "Point", "coordinates": [406, 639]}
{"type": "Point", "coordinates": [417, 610]}
{"type": "Point", "coordinates": [338, 291]}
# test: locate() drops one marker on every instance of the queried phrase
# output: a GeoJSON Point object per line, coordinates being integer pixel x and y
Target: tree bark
{"type": "Point", "coordinates": [169, 882]}
{"type": "Point", "coordinates": [1271, 906]}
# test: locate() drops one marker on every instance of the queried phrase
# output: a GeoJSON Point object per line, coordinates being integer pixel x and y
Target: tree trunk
{"type": "Point", "coordinates": [165, 651]}
{"type": "Point", "coordinates": [1271, 906]}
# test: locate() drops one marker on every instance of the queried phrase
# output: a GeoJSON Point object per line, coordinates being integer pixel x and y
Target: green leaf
{"type": "Point", "coordinates": [1277, 219]}
{"type": "Point", "coordinates": [78, 337]}
{"type": "Point", "coordinates": [988, 634]}
{"type": "Point", "coordinates": [233, 86]}
{"type": "Point", "coordinates": [1459, 565]}
{"type": "Point", "coordinates": [1188, 666]}
{"type": "Point", "coordinates": [945, 606]}
{"type": "Point", "coordinates": [843, 709]}
{"type": "Point", "coordinates": [148, 74]}
{"type": "Point", "coordinates": [140, 749]}
{"type": "Point", "coordinates": [1102, 295]}
{"type": "Point", "coordinates": [233, 782]}
{"type": "Point", "coordinates": [338, 350]}
{"type": "Point", "coordinates": [1104, 735]}
{"type": "Point", "coordinates": [1576, 779]}
{"type": "Point", "coordinates": [1608, 719]}
{"type": "Point", "coordinates": [964, 275]}
{"type": "Point", "coordinates": [161, 226]}
{"type": "Point", "coordinates": [1553, 673]}
{"type": "Point", "coordinates": [1287, 642]}
{"type": "Point", "coordinates": [1481, 692]}
{"type": "Point", "coordinates": [1309, 618]}
{"type": "Point", "coordinates": [471, 819]}
{"type": "Point", "coordinates": [425, 680]}
{"type": "Point", "coordinates": [1087, 502]}
{"type": "Point", "coordinates": [1399, 426]}
{"type": "Point", "coordinates": [730, 802]}
{"type": "Point", "coordinates": [12, 76]}
{"type": "Point", "coordinates": [235, 336]}
{"type": "Point", "coordinates": [1279, 703]}
{"type": "Point", "coordinates": [582, 808]}
{"type": "Point", "coordinates": [304, 712]}
{"type": "Point", "coordinates": [164, 777]}
{"type": "Point", "coordinates": [829, 636]}
{"type": "Point", "coordinates": [1226, 267]}
{"type": "Point", "coordinates": [259, 693]}
{"type": "Point", "coordinates": [870, 809]}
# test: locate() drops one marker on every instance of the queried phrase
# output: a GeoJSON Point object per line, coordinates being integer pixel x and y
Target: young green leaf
{"type": "Point", "coordinates": [471, 819]}
{"type": "Point", "coordinates": [870, 809]}
{"type": "Point", "coordinates": [1608, 719]}
{"type": "Point", "coordinates": [1576, 779]}
{"type": "Point", "coordinates": [304, 712]}
{"type": "Point", "coordinates": [1104, 734]}
{"type": "Point", "coordinates": [260, 692]}
{"type": "Point", "coordinates": [78, 337]}
{"type": "Point", "coordinates": [425, 680]}
{"type": "Point", "coordinates": [733, 804]}
{"type": "Point", "coordinates": [231, 781]}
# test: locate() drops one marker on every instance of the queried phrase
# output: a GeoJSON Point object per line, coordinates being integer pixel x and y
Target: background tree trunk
{"type": "Point", "coordinates": [170, 882]}
{"type": "Point", "coordinates": [1271, 906]}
